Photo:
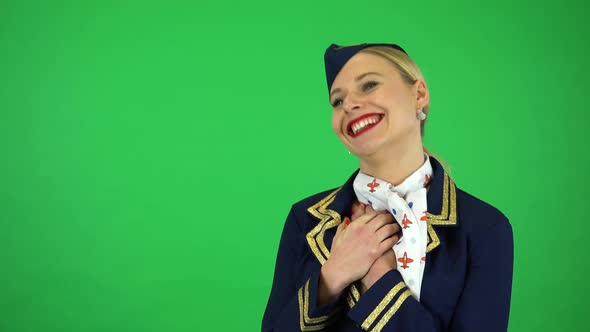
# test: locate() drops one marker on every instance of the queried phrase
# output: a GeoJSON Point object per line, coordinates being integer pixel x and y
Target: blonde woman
{"type": "Point", "coordinates": [397, 247]}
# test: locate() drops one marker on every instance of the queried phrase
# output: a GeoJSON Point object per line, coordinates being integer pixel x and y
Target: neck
{"type": "Point", "coordinates": [394, 170]}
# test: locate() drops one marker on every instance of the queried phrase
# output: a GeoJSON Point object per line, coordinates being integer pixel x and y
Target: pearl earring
{"type": "Point", "coordinates": [421, 115]}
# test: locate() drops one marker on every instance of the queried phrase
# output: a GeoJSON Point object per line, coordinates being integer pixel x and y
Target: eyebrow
{"type": "Point", "coordinates": [358, 78]}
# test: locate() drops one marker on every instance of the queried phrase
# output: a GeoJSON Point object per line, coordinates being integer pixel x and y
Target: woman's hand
{"type": "Point", "coordinates": [356, 246]}
{"type": "Point", "coordinates": [384, 263]}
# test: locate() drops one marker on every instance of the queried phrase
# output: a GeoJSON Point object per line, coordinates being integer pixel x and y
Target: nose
{"type": "Point", "coordinates": [351, 102]}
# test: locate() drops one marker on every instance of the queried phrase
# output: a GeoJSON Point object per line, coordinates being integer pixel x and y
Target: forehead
{"type": "Point", "coordinates": [361, 63]}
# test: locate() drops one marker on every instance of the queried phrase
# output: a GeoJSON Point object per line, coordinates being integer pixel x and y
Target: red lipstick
{"type": "Point", "coordinates": [374, 117]}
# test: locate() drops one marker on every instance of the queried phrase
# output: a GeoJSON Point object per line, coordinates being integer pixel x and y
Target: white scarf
{"type": "Point", "coordinates": [407, 203]}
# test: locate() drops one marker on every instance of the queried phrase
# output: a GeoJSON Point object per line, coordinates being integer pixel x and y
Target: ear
{"type": "Point", "coordinates": [422, 96]}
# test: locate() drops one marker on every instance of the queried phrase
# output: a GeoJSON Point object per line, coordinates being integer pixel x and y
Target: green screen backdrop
{"type": "Point", "coordinates": [150, 150]}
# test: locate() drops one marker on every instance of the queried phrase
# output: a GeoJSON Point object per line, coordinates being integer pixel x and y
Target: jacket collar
{"type": "Point", "coordinates": [441, 204]}
{"type": "Point", "coordinates": [441, 201]}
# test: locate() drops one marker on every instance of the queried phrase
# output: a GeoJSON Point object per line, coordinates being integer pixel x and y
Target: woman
{"type": "Point", "coordinates": [451, 264]}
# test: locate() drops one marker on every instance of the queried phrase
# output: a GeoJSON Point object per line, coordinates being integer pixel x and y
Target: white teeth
{"type": "Point", "coordinates": [365, 122]}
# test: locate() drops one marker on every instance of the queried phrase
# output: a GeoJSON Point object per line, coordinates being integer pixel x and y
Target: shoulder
{"type": "Point", "coordinates": [477, 216]}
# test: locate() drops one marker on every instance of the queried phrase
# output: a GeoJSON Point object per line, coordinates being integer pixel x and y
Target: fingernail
{"type": "Point", "coordinates": [347, 222]}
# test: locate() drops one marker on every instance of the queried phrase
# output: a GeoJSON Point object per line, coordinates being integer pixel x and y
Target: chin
{"type": "Point", "coordinates": [366, 150]}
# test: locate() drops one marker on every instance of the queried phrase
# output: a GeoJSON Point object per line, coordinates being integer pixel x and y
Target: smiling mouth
{"type": "Point", "coordinates": [364, 123]}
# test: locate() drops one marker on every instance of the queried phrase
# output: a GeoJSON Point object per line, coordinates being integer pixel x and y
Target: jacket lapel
{"type": "Point", "coordinates": [329, 211]}
{"type": "Point", "coordinates": [441, 203]}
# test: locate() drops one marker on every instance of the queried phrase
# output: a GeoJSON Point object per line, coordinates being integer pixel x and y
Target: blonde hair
{"type": "Point", "coordinates": [410, 73]}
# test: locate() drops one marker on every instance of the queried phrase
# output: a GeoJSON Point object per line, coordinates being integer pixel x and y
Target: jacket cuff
{"type": "Point", "coordinates": [380, 302]}
{"type": "Point", "coordinates": [311, 316]}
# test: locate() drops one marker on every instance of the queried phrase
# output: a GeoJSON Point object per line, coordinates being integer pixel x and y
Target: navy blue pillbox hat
{"type": "Point", "coordinates": [337, 55]}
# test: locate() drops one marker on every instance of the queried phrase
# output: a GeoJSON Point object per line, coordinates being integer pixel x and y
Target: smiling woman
{"type": "Point", "coordinates": [398, 247]}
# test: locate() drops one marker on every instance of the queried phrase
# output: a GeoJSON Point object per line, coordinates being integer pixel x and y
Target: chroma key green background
{"type": "Point", "coordinates": [150, 150]}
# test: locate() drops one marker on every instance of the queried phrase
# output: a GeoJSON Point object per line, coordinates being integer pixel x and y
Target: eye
{"type": "Point", "coordinates": [369, 85]}
{"type": "Point", "coordinates": [336, 102]}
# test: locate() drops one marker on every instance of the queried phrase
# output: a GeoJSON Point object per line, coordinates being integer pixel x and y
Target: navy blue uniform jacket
{"type": "Point", "coordinates": [467, 278]}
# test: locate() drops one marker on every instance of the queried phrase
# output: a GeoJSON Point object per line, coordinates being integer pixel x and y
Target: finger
{"type": "Point", "coordinates": [388, 243]}
{"type": "Point", "coordinates": [386, 231]}
{"type": "Point", "coordinates": [357, 210]}
{"type": "Point", "coordinates": [382, 220]}
{"type": "Point", "coordinates": [362, 208]}
{"type": "Point", "coordinates": [385, 245]}
{"type": "Point", "coordinates": [342, 225]}
{"type": "Point", "coordinates": [367, 216]}
{"type": "Point", "coordinates": [369, 207]}
{"type": "Point", "coordinates": [382, 211]}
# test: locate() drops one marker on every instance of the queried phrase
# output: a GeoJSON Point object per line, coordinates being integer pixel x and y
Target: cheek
{"type": "Point", "coordinates": [336, 123]}
{"type": "Point", "coordinates": [404, 122]}
{"type": "Point", "coordinates": [400, 119]}
{"type": "Point", "coordinates": [398, 108]}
